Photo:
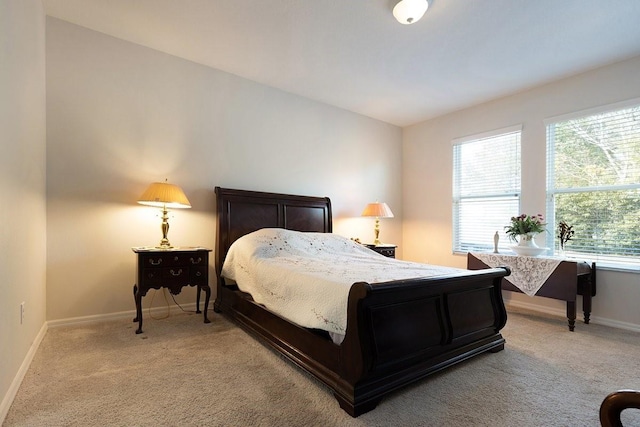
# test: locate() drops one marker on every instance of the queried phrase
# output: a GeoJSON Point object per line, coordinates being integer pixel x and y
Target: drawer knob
{"type": "Point", "coordinates": [152, 262]}
{"type": "Point", "coordinates": [175, 273]}
{"type": "Point", "coordinates": [196, 261]}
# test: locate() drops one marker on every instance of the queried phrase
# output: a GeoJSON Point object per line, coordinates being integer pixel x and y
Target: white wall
{"type": "Point", "coordinates": [427, 176]}
{"type": "Point", "coordinates": [121, 116]}
{"type": "Point", "coordinates": [22, 186]}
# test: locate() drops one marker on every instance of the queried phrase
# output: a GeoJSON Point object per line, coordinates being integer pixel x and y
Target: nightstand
{"type": "Point", "coordinates": [171, 268]}
{"type": "Point", "coordinates": [386, 250]}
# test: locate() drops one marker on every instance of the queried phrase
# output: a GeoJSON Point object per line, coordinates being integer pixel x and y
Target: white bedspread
{"type": "Point", "coordinates": [306, 277]}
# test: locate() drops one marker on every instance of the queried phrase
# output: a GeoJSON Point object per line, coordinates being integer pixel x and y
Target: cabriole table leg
{"type": "Point", "coordinates": [138, 298]}
{"type": "Point", "coordinates": [207, 291]}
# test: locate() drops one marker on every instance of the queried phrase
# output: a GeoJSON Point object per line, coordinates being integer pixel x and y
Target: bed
{"type": "Point", "coordinates": [397, 332]}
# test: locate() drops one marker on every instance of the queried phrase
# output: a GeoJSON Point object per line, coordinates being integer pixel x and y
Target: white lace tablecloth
{"type": "Point", "coordinates": [527, 273]}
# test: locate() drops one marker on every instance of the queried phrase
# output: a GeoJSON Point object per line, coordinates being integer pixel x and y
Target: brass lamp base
{"type": "Point", "coordinates": [376, 232]}
{"type": "Point", "coordinates": [164, 243]}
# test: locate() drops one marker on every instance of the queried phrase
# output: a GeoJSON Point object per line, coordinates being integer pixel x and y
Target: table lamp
{"type": "Point", "coordinates": [164, 195]}
{"type": "Point", "coordinates": [378, 210]}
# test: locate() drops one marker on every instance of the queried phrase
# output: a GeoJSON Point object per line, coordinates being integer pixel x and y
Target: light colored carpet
{"type": "Point", "coordinates": [182, 372]}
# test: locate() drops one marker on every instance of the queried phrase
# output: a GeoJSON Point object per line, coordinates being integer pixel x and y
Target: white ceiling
{"type": "Point", "coordinates": [354, 55]}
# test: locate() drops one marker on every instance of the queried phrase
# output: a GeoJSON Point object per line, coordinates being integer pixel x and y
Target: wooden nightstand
{"type": "Point", "coordinates": [386, 250]}
{"type": "Point", "coordinates": [171, 268]}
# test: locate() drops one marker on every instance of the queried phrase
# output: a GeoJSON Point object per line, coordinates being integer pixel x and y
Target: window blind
{"type": "Point", "coordinates": [593, 184]}
{"type": "Point", "coordinates": [486, 189]}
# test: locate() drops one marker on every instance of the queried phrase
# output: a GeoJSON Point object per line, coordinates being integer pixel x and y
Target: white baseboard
{"type": "Point", "coordinates": [22, 371]}
{"type": "Point", "coordinates": [536, 307]}
{"type": "Point", "coordinates": [562, 313]}
{"type": "Point", "coordinates": [119, 315]}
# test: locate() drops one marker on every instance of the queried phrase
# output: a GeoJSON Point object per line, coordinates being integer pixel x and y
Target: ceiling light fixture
{"type": "Point", "coordinates": [410, 11]}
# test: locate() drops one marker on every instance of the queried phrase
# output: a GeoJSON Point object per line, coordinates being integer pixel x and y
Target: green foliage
{"type": "Point", "coordinates": [525, 224]}
{"type": "Point", "coordinates": [597, 162]}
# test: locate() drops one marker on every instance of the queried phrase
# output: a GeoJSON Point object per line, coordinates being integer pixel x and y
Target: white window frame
{"type": "Point", "coordinates": [484, 243]}
{"type": "Point", "coordinates": [604, 262]}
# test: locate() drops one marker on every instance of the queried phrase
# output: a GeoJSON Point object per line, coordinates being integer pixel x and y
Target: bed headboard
{"type": "Point", "coordinates": [241, 212]}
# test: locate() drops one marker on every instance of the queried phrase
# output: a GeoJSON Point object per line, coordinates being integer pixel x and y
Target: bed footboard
{"type": "Point", "coordinates": [399, 332]}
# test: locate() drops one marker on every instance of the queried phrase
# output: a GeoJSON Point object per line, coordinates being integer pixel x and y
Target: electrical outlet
{"type": "Point", "coordinates": [21, 312]}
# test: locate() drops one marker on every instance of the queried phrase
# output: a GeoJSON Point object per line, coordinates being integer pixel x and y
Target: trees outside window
{"type": "Point", "coordinates": [593, 184]}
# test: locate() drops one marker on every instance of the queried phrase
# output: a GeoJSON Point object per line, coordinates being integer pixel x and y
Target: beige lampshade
{"type": "Point", "coordinates": [163, 194]}
{"type": "Point", "coordinates": [379, 210]}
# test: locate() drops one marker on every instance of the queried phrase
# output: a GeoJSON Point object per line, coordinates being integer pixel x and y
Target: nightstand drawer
{"type": "Point", "coordinates": [386, 250]}
{"type": "Point", "coordinates": [197, 258]}
{"type": "Point", "coordinates": [165, 276]}
{"type": "Point", "coordinates": [171, 259]}
{"type": "Point", "coordinates": [161, 260]}
{"type": "Point", "coordinates": [198, 275]}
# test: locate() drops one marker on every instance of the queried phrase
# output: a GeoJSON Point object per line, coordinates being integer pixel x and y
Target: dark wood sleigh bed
{"type": "Point", "coordinates": [397, 332]}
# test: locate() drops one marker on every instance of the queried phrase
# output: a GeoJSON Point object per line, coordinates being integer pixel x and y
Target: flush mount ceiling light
{"type": "Point", "coordinates": [410, 11]}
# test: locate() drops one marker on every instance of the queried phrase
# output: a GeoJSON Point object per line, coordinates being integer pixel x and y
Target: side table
{"type": "Point", "coordinates": [171, 268]}
{"type": "Point", "coordinates": [568, 280]}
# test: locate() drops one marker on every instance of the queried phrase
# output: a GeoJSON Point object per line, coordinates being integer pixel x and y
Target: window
{"type": "Point", "coordinates": [593, 184]}
{"type": "Point", "coordinates": [486, 188]}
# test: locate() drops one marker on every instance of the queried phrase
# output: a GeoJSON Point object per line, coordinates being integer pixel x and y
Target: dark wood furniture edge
{"type": "Point", "coordinates": [616, 402]}
{"type": "Point", "coordinates": [587, 289]}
